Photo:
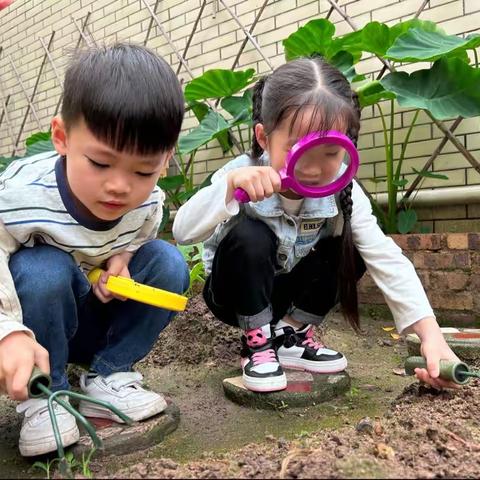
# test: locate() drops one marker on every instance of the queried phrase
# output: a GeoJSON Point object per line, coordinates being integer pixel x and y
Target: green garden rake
{"type": "Point", "coordinates": [39, 386]}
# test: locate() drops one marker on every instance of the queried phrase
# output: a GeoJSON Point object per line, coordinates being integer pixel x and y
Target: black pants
{"type": "Point", "coordinates": [244, 291]}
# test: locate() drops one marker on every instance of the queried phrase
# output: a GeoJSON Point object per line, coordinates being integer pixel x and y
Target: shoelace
{"type": "Point", "coordinates": [310, 342]}
{"type": "Point", "coordinates": [264, 357]}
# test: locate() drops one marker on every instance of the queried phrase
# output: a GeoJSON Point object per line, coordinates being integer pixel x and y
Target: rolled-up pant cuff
{"type": "Point", "coordinates": [305, 317]}
{"type": "Point", "coordinates": [248, 322]}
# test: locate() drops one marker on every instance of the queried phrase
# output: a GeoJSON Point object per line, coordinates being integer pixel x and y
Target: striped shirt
{"type": "Point", "coordinates": [36, 207]}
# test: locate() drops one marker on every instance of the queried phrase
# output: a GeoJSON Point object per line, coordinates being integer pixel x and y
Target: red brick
{"type": "Point", "coordinates": [474, 241]}
{"type": "Point", "coordinates": [425, 241]}
{"type": "Point", "coordinates": [449, 281]}
{"type": "Point", "coordinates": [456, 301]}
{"type": "Point", "coordinates": [400, 240]}
{"type": "Point", "coordinates": [457, 241]}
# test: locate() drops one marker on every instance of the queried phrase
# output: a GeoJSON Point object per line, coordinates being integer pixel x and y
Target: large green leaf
{"type": "Point", "coordinates": [199, 109]}
{"type": "Point", "coordinates": [5, 161]}
{"type": "Point", "coordinates": [420, 45]}
{"type": "Point", "coordinates": [313, 38]}
{"type": "Point", "coordinates": [344, 62]}
{"type": "Point", "coordinates": [377, 38]}
{"type": "Point", "coordinates": [372, 93]}
{"type": "Point", "coordinates": [218, 83]}
{"type": "Point", "coordinates": [240, 108]}
{"type": "Point", "coordinates": [210, 127]}
{"type": "Point", "coordinates": [41, 146]}
{"type": "Point", "coordinates": [449, 89]}
{"type": "Point", "coordinates": [171, 182]}
{"type": "Point", "coordinates": [406, 220]}
{"type": "Point", "coordinates": [39, 142]}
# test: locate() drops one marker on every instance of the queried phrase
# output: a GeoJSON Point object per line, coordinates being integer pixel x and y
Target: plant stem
{"type": "Point", "coordinates": [405, 145]}
{"type": "Point", "coordinates": [241, 137]}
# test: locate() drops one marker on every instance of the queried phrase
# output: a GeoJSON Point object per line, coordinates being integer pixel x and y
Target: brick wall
{"type": "Point", "coordinates": [448, 266]}
{"type": "Point", "coordinates": [215, 45]}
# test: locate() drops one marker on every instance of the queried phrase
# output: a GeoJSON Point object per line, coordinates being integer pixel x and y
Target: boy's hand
{"type": "Point", "coordinates": [258, 182]}
{"type": "Point", "coordinates": [19, 353]}
{"type": "Point", "coordinates": [116, 265]}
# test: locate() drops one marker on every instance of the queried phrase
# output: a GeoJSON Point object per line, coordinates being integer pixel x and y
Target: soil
{"type": "Point", "coordinates": [387, 426]}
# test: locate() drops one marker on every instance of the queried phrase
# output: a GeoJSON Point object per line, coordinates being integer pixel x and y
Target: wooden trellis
{"type": "Point", "coordinates": [86, 37]}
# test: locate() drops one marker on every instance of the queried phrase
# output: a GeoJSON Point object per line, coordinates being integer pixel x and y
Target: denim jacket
{"type": "Point", "coordinates": [296, 235]}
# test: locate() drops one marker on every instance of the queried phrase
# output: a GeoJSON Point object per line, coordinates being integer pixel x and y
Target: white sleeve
{"type": "Point", "coordinates": [10, 308]}
{"type": "Point", "coordinates": [197, 219]}
{"type": "Point", "coordinates": [393, 273]}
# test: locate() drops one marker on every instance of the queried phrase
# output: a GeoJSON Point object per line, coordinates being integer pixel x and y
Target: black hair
{"type": "Point", "coordinates": [128, 96]}
{"type": "Point", "coordinates": [313, 87]}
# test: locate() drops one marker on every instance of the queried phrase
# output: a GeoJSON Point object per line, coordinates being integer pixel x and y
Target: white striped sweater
{"type": "Point", "coordinates": [36, 207]}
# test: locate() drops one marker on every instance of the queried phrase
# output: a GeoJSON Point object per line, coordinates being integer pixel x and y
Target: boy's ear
{"type": "Point", "coordinates": [59, 135]}
{"type": "Point", "coordinates": [166, 162]}
{"type": "Point", "coordinates": [260, 135]}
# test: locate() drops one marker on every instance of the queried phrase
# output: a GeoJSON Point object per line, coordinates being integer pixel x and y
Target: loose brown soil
{"type": "Point", "coordinates": [387, 426]}
{"type": "Point", "coordinates": [421, 433]}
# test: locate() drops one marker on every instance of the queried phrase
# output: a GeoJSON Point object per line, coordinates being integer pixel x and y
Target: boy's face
{"type": "Point", "coordinates": [107, 182]}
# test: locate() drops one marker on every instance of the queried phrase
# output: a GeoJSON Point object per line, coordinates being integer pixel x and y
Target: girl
{"type": "Point", "coordinates": [278, 264]}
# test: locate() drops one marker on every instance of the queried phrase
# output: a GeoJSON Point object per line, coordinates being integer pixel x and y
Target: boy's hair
{"type": "Point", "coordinates": [311, 86]}
{"type": "Point", "coordinates": [128, 96]}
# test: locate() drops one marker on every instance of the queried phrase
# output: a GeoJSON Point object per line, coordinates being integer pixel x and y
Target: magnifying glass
{"type": "Point", "coordinates": [318, 165]}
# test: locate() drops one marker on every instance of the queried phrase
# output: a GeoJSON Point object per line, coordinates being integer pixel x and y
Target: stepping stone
{"type": "Point", "coordinates": [465, 342]}
{"type": "Point", "coordinates": [123, 439]}
{"type": "Point", "coordinates": [303, 389]}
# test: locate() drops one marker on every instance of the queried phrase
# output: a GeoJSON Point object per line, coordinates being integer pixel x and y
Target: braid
{"type": "Point", "coordinates": [353, 131]}
{"type": "Point", "coordinates": [346, 202]}
{"type": "Point", "coordinates": [257, 150]}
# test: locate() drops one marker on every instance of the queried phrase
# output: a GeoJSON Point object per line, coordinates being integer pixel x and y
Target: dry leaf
{"type": "Point", "coordinates": [388, 329]}
{"type": "Point", "coordinates": [395, 336]}
{"type": "Point", "coordinates": [378, 427]}
{"type": "Point", "coordinates": [384, 451]}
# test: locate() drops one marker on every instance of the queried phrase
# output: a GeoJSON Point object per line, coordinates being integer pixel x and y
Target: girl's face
{"type": "Point", "coordinates": [317, 167]}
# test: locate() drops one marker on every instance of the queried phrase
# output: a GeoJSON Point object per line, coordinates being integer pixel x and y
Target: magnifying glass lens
{"type": "Point", "coordinates": [321, 165]}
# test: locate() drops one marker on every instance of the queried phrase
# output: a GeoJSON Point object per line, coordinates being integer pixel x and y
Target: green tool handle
{"type": "Point", "coordinates": [38, 377]}
{"type": "Point", "coordinates": [451, 370]}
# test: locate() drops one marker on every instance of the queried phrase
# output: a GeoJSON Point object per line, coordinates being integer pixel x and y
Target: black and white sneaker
{"type": "Point", "coordinates": [261, 369]}
{"type": "Point", "coordinates": [297, 349]}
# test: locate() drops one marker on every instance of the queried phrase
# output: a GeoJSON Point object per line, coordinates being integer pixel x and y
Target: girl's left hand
{"type": "Point", "coordinates": [434, 349]}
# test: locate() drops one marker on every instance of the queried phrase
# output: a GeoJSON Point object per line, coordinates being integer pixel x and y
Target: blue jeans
{"type": "Point", "coordinates": [74, 326]}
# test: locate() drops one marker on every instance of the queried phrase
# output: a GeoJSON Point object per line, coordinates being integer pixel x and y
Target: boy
{"type": "Point", "coordinates": [93, 202]}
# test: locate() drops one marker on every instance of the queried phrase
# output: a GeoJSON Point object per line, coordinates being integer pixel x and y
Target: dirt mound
{"type": "Point", "coordinates": [196, 336]}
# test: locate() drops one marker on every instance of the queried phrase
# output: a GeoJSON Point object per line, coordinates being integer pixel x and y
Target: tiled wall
{"type": "Point", "coordinates": [215, 45]}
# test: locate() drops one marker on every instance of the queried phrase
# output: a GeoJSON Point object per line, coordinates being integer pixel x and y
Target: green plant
{"type": "Point", "coordinates": [193, 256]}
{"type": "Point", "coordinates": [72, 465]}
{"type": "Point", "coordinates": [39, 142]}
{"type": "Point", "coordinates": [446, 89]}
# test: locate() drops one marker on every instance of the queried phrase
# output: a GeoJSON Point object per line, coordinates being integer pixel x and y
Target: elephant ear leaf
{"type": "Point", "coordinates": [449, 89]}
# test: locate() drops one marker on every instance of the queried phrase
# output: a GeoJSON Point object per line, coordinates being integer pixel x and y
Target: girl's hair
{"type": "Point", "coordinates": [313, 89]}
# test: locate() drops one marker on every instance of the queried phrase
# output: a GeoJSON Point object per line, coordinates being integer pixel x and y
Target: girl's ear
{"type": "Point", "coordinates": [59, 135]}
{"type": "Point", "coordinates": [261, 136]}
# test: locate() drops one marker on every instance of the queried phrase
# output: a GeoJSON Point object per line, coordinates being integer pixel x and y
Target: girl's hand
{"type": "Point", "coordinates": [116, 265]}
{"type": "Point", "coordinates": [433, 348]}
{"type": "Point", "coordinates": [258, 182]}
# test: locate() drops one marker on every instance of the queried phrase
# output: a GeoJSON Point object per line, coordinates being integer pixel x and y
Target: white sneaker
{"type": "Point", "coordinates": [123, 390]}
{"type": "Point", "coordinates": [36, 434]}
